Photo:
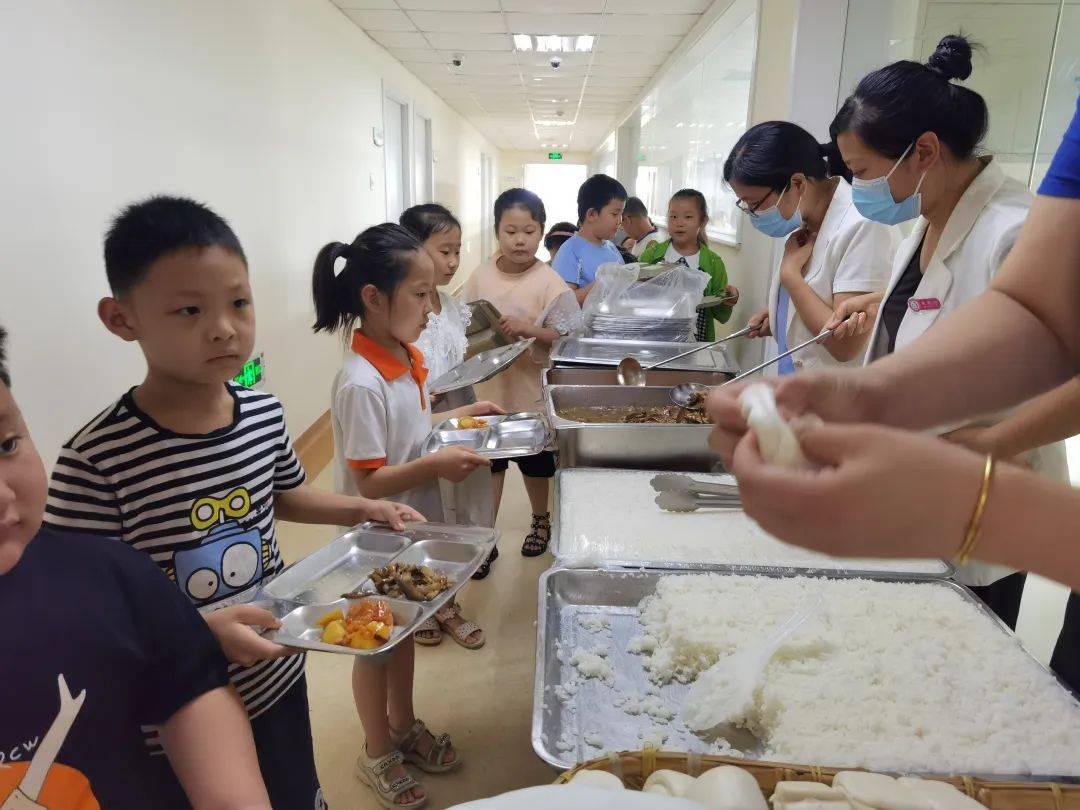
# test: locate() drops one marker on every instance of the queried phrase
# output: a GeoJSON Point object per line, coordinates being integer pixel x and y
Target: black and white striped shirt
{"type": "Point", "coordinates": [202, 506]}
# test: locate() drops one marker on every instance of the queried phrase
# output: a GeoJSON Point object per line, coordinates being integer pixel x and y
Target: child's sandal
{"type": "Point", "coordinates": [372, 773]}
{"type": "Point", "coordinates": [536, 543]}
{"type": "Point", "coordinates": [429, 633]}
{"type": "Point", "coordinates": [485, 566]}
{"type": "Point", "coordinates": [466, 633]}
{"type": "Point", "coordinates": [432, 761]}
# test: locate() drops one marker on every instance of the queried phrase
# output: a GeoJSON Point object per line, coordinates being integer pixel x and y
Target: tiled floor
{"type": "Point", "coordinates": [484, 698]}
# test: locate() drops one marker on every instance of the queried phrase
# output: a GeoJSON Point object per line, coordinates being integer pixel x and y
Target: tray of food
{"type": "Point", "coordinates": [629, 428]}
{"type": "Point", "coordinates": [374, 584]}
{"type": "Point", "coordinates": [610, 518]}
{"type": "Point", "coordinates": [890, 675]}
{"type": "Point", "coordinates": [510, 436]}
{"type": "Point", "coordinates": [479, 367]}
{"type": "Point", "coordinates": [578, 351]}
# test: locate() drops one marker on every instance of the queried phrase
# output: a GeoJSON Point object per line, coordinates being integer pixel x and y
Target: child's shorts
{"type": "Point", "coordinates": [542, 465]}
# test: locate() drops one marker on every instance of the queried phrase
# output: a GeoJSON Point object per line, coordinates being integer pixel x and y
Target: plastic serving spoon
{"type": "Point", "coordinates": [724, 693]}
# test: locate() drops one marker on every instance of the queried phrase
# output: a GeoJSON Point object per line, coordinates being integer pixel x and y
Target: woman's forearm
{"type": "Point", "coordinates": [1017, 340]}
{"type": "Point", "coordinates": [815, 313]}
{"type": "Point", "coordinates": [1031, 524]}
{"type": "Point", "coordinates": [1051, 417]}
{"type": "Point", "coordinates": [988, 355]}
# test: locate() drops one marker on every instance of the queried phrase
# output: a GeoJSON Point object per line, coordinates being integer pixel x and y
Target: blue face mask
{"type": "Point", "coordinates": [874, 199]}
{"type": "Point", "coordinates": [772, 222]}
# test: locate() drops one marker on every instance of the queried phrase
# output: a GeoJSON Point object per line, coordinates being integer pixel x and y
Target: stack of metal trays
{"type": "Point", "coordinates": [511, 436]}
{"type": "Point", "coordinates": [338, 576]}
{"type": "Point", "coordinates": [640, 327]}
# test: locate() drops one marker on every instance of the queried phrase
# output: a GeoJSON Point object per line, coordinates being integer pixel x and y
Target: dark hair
{"type": "Point", "coordinates": [635, 208]}
{"type": "Point", "coordinates": [596, 192]}
{"type": "Point", "coordinates": [893, 106]}
{"type": "Point", "coordinates": [559, 233]}
{"type": "Point", "coordinates": [424, 221]}
{"type": "Point", "coordinates": [5, 377]}
{"type": "Point", "coordinates": [519, 198]}
{"type": "Point", "coordinates": [768, 154]}
{"type": "Point", "coordinates": [145, 231]}
{"type": "Point", "coordinates": [703, 207]}
{"type": "Point", "coordinates": [379, 256]}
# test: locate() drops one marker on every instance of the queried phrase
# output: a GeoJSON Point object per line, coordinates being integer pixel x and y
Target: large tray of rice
{"type": "Point", "coordinates": [894, 676]}
{"type": "Point", "coordinates": [610, 518]}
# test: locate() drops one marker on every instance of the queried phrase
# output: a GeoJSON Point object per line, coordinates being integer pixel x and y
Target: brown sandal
{"type": "Point", "coordinates": [429, 633]}
{"type": "Point", "coordinates": [372, 773]}
{"type": "Point", "coordinates": [468, 634]}
{"type": "Point", "coordinates": [432, 762]}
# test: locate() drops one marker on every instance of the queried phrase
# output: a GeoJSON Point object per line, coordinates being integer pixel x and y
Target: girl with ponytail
{"type": "Point", "coordinates": [376, 293]}
{"type": "Point", "coordinates": [791, 187]}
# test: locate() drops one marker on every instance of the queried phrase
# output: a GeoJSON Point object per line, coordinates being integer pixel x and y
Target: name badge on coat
{"type": "Point", "coordinates": [921, 304]}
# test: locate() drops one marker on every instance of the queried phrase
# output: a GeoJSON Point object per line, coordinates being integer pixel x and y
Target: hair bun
{"type": "Point", "coordinates": [952, 58]}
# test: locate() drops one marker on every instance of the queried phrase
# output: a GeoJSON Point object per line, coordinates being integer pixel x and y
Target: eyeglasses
{"type": "Point", "coordinates": [752, 211]}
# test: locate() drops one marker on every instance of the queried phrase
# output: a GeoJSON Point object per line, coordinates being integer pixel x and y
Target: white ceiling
{"type": "Point", "coordinates": [504, 92]}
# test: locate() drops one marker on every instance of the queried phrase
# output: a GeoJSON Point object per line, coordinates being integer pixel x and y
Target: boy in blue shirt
{"type": "Point", "coordinates": [600, 202]}
{"type": "Point", "coordinates": [192, 469]}
{"type": "Point", "coordinates": [87, 660]}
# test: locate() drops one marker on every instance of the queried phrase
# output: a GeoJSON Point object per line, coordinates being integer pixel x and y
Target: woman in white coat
{"type": "Point", "coordinates": [792, 187]}
{"type": "Point", "coordinates": [909, 136]}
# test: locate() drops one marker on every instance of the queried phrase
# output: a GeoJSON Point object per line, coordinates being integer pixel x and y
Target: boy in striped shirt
{"type": "Point", "coordinates": [193, 469]}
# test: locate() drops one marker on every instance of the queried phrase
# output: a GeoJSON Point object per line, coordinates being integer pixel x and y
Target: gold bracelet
{"type": "Point", "coordinates": [974, 529]}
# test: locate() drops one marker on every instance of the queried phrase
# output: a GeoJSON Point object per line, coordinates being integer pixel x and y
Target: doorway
{"type": "Point", "coordinates": [396, 148]}
{"type": "Point", "coordinates": [557, 185]}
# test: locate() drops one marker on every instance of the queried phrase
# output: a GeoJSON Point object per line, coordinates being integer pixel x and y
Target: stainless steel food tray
{"type": "Point", "coordinates": [512, 436]}
{"type": "Point", "coordinates": [576, 351]}
{"type": "Point", "coordinates": [479, 368]}
{"type": "Point", "coordinates": [566, 596]}
{"type": "Point", "coordinates": [684, 448]}
{"type": "Point", "coordinates": [313, 586]}
{"type": "Point", "coordinates": [659, 377]}
{"type": "Point", "coordinates": [483, 331]}
{"type": "Point", "coordinates": [858, 568]}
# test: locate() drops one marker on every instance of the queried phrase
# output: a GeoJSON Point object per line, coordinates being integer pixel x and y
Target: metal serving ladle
{"type": "Point", "coordinates": [631, 372]}
{"type": "Point", "coordinates": [683, 393]}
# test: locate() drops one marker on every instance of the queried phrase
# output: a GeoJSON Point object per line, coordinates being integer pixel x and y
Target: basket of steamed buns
{"type": "Point", "coordinates": [722, 783]}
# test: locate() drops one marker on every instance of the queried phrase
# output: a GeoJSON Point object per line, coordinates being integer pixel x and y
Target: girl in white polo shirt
{"type": "Point", "coordinates": [381, 415]}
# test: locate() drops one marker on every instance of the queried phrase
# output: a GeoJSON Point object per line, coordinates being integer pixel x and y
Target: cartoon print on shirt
{"type": "Point", "coordinates": [229, 558]}
{"type": "Point", "coordinates": [44, 783]}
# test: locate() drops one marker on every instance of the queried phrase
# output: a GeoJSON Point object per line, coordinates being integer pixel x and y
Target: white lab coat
{"type": "Point", "coordinates": [978, 236]}
{"type": "Point", "coordinates": [851, 254]}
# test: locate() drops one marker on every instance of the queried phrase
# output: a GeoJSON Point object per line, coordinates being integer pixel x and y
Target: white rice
{"type": "Point", "coordinates": [891, 676]}
{"type": "Point", "coordinates": [612, 515]}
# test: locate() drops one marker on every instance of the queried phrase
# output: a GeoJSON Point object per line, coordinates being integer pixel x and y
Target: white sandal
{"type": "Point", "coordinates": [432, 761]}
{"type": "Point", "coordinates": [371, 773]}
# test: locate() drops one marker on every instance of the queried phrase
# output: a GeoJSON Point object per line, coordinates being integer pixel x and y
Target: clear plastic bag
{"type": "Point", "coordinates": [618, 291]}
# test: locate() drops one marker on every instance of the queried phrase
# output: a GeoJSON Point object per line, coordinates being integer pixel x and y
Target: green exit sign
{"type": "Point", "coordinates": [554, 155]}
{"type": "Point", "coordinates": [252, 373]}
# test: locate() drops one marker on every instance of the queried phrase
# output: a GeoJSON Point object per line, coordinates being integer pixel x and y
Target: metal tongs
{"type": "Point", "coordinates": [681, 493]}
